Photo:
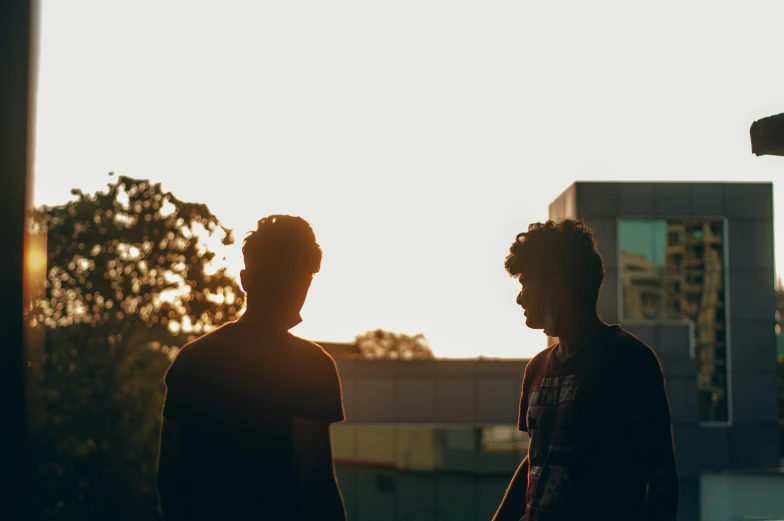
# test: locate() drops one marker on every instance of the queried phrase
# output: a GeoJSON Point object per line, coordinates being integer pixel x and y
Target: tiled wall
{"type": "Point", "coordinates": [467, 392]}
{"type": "Point", "coordinates": [462, 393]}
{"type": "Point", "coordinates": [748, 207]}
{"type": "Point", "coordinates": [751, 440]}
{"type": "Point", "coordinates": [484, 392]}
{"type": "Point", "coordinates": [728, 496]}
{"type": "Point", "coordinates": [419, 497]}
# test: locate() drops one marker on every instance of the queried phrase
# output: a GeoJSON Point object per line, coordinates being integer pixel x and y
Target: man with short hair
{"type": "Point", "coordinates": [246, 422]}
{"type": "Point", "coordinates": [594, 404]}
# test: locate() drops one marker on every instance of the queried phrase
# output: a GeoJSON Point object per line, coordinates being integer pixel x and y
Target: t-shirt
{"type": "Point", "coordinates": [600, 433]}
{"type": "Point", "coordinates": [234, 393]}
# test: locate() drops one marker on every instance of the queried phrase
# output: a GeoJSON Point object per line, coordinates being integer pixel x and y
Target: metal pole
{"type": "Point", "coordinates": [18, 70]}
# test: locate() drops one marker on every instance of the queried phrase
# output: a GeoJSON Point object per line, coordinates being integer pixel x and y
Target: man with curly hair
{"type": "Point", "coordinates": [246, 421]}
{"type": "Point", "coordinates": [594, 404]}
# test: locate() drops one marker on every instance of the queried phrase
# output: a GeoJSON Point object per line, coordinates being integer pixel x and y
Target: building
{"type": "Point", "coordinates": [427, 439]}
{"type": "Point", "coordinates": [780, 318]}
{"type": "Point", "coordinates": [341, 349]}
{"type": "Point", "coordinates": [689, 270]}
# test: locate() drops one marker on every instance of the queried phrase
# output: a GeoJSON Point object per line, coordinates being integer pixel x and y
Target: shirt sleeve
{"type": "Point", "coordinates": [522, 417]}
{"type": "Point", "coordinates": [175, 401]}
{"type": "Point", "coordinates": [653, 426]}
{"type": "Point", "coordinates": [321, 395]}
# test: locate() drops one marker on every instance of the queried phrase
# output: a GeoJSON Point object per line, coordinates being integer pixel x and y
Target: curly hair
{"type": "Point", "coordinates": [281, 247]}
{"type": "Point", "coordinates": [566, 249]}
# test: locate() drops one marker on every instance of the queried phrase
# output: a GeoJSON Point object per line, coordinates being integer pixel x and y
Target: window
{"type": "Point", "coordinates": [425, 471]}
{"type": "Point", "coordinates": [675, 270]}
{"type": "Point", "coordinates": [429, 447]}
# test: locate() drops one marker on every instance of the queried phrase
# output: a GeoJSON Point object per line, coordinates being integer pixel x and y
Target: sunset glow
{"type": "Point", "coordinates": [418, 138]}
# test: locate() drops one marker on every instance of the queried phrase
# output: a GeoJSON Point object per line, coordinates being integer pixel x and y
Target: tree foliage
{"type": "Point", "coordinates": [380, 344]}
{"type": "Point", "coordinates": [130, 277]}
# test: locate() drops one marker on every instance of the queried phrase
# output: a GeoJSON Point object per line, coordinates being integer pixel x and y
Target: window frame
{"type": "Point", "coordinates": [726, 263]}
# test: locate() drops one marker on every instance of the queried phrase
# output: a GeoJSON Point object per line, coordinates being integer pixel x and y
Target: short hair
{"type": "Point", "coordinates": [566, 249]}
{"type": "Point", "coordinates": [281, 248]}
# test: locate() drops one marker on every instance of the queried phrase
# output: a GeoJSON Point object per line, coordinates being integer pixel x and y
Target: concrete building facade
{"type": "Point", "coordinates": [427, 440]}
{"type": "Point", "coordinates": [689, 270]}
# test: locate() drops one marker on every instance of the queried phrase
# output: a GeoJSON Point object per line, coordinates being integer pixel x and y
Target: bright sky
{"type": "Point", "coordinates": [418, 137]}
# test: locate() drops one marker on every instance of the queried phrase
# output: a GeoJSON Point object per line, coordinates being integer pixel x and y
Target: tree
{"type": "Point", "coordinates": [130, 278]}
{"type": "Point", "coordinates": [380, 344]}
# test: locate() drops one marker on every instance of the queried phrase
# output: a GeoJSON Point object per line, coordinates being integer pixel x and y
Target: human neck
{"type": "Point", "coordinates": [579, 333]}
{"type": "Point", "coordinates": [268, 312]}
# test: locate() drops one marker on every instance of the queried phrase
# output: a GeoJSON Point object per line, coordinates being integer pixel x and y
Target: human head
{"type": "Point", "coordinates": [281, 257]}
{"type": "Point", "coordinates": [560, 271]}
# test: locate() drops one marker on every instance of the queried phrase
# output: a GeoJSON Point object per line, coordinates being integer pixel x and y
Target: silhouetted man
{"type": "Point", "coordinates": [246, 428]}
{"type": "Point", "coordinates": [594, 404]}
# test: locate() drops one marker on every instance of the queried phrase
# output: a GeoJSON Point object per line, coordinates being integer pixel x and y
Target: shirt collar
{"type": "Point", "coordinates": [273, 317]}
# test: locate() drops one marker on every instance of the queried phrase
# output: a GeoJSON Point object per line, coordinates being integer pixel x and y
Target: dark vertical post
{"type": "Point", "coordinates": [18, 64]}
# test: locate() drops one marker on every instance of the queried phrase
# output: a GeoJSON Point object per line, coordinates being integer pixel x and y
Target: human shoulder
{"type": "Point", "coordinates": [203, 347]}
{"type": "Point", "coordinates": [538, 362]}
{"type": "Point", "coordinates": [635, 353]}
{"type": "Point", "coordinates": [542, 356]}
{"type": "Point", "coordinates": [320, 393]}
{"type": "Point", "coordinates": [310, 350]}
